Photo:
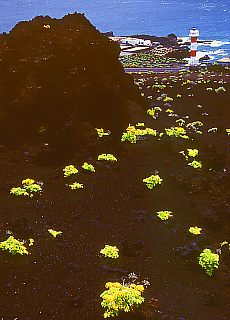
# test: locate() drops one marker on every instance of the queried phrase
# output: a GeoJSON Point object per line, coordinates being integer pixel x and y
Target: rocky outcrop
{"type": "Point", "coordinates": [58, 77]}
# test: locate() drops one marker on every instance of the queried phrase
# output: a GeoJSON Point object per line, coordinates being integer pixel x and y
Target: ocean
{"type": "Point", "coordinates": [127, 17]}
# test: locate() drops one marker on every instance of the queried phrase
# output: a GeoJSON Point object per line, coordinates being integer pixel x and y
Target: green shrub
{"type": "Point", "coordinates": [195, 164]}
{"type": "Point", "coordinates": [29, 188]}
{"type": "Point", "coordinates": [14, 246]}
{"type": "Point", "coordinates": [76, 185]}
{"type": "Point", "coordinates": [119, 297]}
{"type": "Point", "coordinates": [195, 230]}
{"type": "Point", "coordinates": [107, 157]}
{"type": "Point", "coordinates": [164, 215]}
{"type": "Point", "coordinates": [88, 167]}
{"type": "Point", "coordinates": [110, 251]}
{"type": "Point", "coordinates": [152, 181]}
{"type": "Point", "coordinates": [176, 132]}
{"type": "Point", "coordinates": [209, 261]}
{"type": "Point", "coordinates": [70, 170]}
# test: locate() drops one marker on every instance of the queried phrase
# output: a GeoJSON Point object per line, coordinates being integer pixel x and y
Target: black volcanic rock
{"type": "Point", "coordinates": [58, 75]}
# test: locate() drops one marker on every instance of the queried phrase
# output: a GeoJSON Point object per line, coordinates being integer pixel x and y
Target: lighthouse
{"type": "Point", "coordinates": [194, 34]}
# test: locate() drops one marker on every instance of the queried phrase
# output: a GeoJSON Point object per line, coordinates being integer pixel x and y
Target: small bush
{"type": "Point", "coordinates": [110, 252]}
{"type": "Point", "coordinates": [107, 157]}
{"type": "Point", "coordinates": [121, 297]}
{"type": "Point", "coordinates": [88, 167]}
{"type": "Point", "coordinates": [70, 170]}
{"type": "Point", "coordinates": [164, 215]}
{"type": "Point", "coordinates": [14, 246]}
{"type": "Point", "coordinates": [209, 261]}
{"type": "Point", "coordinates": [152, 181]}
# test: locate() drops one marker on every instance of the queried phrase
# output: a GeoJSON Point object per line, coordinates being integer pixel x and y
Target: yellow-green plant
{"type": "Point", "coordinates": [209, 261]}
{"type": "Point", "coordinates": [129, 136]}
{"type": "Point", "coordinates": [54, 233]}
{"type": "Point", "coordinates": [76, 185]}
{"type": "Point", "coordinates": [110, 251]}
{"type": "Point", "coordinates": [88, 167]}
{"type": "Point", "coordinates": [14, 246]}
{"type": "Point", "coordinates": [164, 215]}
{"type": "Point", "coordinates": [168, 99]}
{"type": "Point", "coordinates": [195, 230]}
{"type": "Point", "coordinates": [192, 153]}
{"type": "Point", "coordinates": [70, 170]}
{"type": "Point", "coordinates": [132, 134]}
{"type": "Point", "coordinates": [29, 188]}
{"type": "Point", "coordinates": [107, 157]}
{"type": "Point", "coordinates": [101, 132]}
{"type": "Point", "coordinates": [177, 132]}
{"type": "Point", "coordinates": [119, 297]}
{"type": "Point", "coordinates": [152, 181]}
{"type": "Point", "coordinates": [195, 164]}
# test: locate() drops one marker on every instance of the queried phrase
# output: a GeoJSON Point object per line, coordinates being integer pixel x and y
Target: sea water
{"type": "Point", "coordinates": [127, 17]}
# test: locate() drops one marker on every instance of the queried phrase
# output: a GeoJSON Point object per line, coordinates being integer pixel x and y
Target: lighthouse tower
{"type": "Point", "coordinates": [194, 34]}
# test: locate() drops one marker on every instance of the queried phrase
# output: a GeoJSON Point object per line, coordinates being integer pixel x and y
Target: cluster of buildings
{"type": "Point", "coordinates": [130, 45]}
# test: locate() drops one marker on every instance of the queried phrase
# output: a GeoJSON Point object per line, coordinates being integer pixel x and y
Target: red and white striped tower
{"type": "Point", "coordinates": [194, 34]}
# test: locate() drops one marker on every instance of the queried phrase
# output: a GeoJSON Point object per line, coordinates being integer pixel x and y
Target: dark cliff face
{"type": "Point", "coordinates": [57, 74]}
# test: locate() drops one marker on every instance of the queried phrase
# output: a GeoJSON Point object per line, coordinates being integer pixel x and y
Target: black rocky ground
{"type": "Point", "coordinates": [63, 277]}
{"type": "Point", "coordinates": [60, 78]}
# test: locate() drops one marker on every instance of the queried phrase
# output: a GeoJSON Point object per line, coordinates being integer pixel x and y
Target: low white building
{"type": "Point", "coordinates": [135, 41]}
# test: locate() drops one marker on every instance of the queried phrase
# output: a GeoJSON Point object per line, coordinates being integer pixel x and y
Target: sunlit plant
{"type": "Point", "coordinates": [209, 261]}
{"type": "Point", "coordinates": [76, 185]}
{"type": "Point", "coordinates": [101, 132]}
{"type": "Point", "coordinates": [177, 132]}
{"type": "Point", "coordinates": [70, 170]}
{"type": "Point", "coordinates": [14, 246]}
{"type": "Point", "coordinates": [29, 188]}
{"type": "Point", "coordinates": [195, 230]}
{"type": "Point", "coordinates": [107, 157]}
{"type": "Point", "coordinates": [152, 181]}
{"type": "Point", "coordinates": [164, 215]}
{"type": "Point", "coordinates": [121, 297]}
{"type": "Point", "coordinates": [88, 167]}
{"type": "Point", "coordinates": [54, 233]}
{"type": "Point", "coordinates": [110, 251]}
{"type": "Point", "coordinates": [195, 164]}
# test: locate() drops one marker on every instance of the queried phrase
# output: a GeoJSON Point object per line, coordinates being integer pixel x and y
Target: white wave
{"type": "Point", "coordinates": [214, 43]}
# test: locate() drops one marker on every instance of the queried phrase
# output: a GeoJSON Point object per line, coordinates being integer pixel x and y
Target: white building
{"type": "Point", "coordinates": [135, 41]}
